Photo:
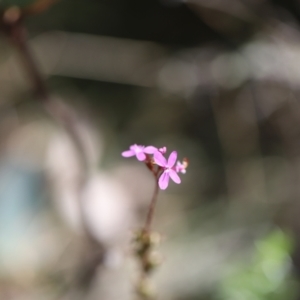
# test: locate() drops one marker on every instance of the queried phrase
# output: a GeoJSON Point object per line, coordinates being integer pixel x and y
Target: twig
{"type": "Point", "coordinates": [145, 243]}
{"type": "Point", "coordinates": [152, 205]}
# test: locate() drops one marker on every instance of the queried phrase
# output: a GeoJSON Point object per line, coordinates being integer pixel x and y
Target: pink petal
{"type": "Point", "coordinates": [128, 153]}
{"type": "Point", "coordinates": [163, 150]}
{"type": "Point", "coordinates": [163, 181]}
{"type": "Point", "coordinates": [141, 156]}
{"type": "Point", "coordinates": [136, 148]}
{"type": "Point", "coordinates": [174, 176]}
{"type": "Point", "coordinates": [179, 167]}
{"type": "Point", "coordinates": [160, 159]}
{"type": "Point", "coordinates": [150, 150]}
{"type": "Point", "coordinates": [172, 159]}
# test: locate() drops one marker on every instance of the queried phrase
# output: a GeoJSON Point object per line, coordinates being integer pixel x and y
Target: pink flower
{"type": "Point", "coordinates": [181, 167]}
{"type": "Point", "coordinates": [162, 150]}
{"type": "Point", "coordinates": [139, 151]}
{"type": "Point", "coordinates": [168, 167]}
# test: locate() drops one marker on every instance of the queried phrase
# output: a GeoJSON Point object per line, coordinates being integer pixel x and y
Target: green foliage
{"type": "Point", "coordinates": [20, 3]}
{"type": "Point", "coordinates": [267, 276]}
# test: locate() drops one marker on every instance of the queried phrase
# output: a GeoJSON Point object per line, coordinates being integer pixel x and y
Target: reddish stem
{"type": "Point", "coordinates": [153, 202]}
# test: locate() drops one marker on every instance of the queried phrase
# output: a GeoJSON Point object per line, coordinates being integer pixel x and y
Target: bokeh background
{"type": "Point", "coordinates": [216, 80]}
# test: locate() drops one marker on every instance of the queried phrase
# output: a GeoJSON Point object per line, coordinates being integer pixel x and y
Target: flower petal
{"type": "Point", "coordinates": [174, 176]}
{"type": "Point", "coordinates": [163, 150]}
{"type": "Point", "coordinates": [163, 181]}
{"type": "Point", "coordinates": [137, 148]}
{"type": "Point", "coordinates": [172, 159]}
{"type": "Point", "coordinates": [128, 153]}
{"type": "Point", "coordinates": [140, 156]}
{"type": "Point", "coordinates": [180, 168]}
{"type": "Point", "coordinates": [160, 159]}
{"type": "Point", "coordinates": [150, 150]}
{"type": "Point", "coordinates": [133, 147]}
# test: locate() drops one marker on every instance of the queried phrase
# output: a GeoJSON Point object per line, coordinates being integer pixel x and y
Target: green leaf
{"type": "Point", "coordinates": [267, 276]}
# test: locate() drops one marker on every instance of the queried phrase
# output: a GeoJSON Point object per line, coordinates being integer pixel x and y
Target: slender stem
{"type": "Point", "coordinates": [152, 206]}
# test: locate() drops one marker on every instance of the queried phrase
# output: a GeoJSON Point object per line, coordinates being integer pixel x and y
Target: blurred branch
{"type": "Point", "coordinates": [39, 7]}
{"type": "Point", "coordinates": [234, 20]}
{"type": "Point", "coordinates": [14, 30]}
{"type": "Point", "coordinates": [11, 24]}
{"type": "Point", "coordinates": [234, 8]}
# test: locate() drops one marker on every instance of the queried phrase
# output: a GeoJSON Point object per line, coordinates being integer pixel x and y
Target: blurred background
{"type": "Point", "coordinates": [216, 80]}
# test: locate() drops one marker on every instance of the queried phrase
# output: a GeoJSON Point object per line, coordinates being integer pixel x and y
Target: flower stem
{"type": "Point", "coordinates": [152, 207]}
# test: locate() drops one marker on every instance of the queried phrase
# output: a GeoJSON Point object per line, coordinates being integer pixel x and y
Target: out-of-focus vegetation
{"type": "Point", "coordinates": [218, 81]}
{"type": "Point", "coordinates": [267, 274]}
